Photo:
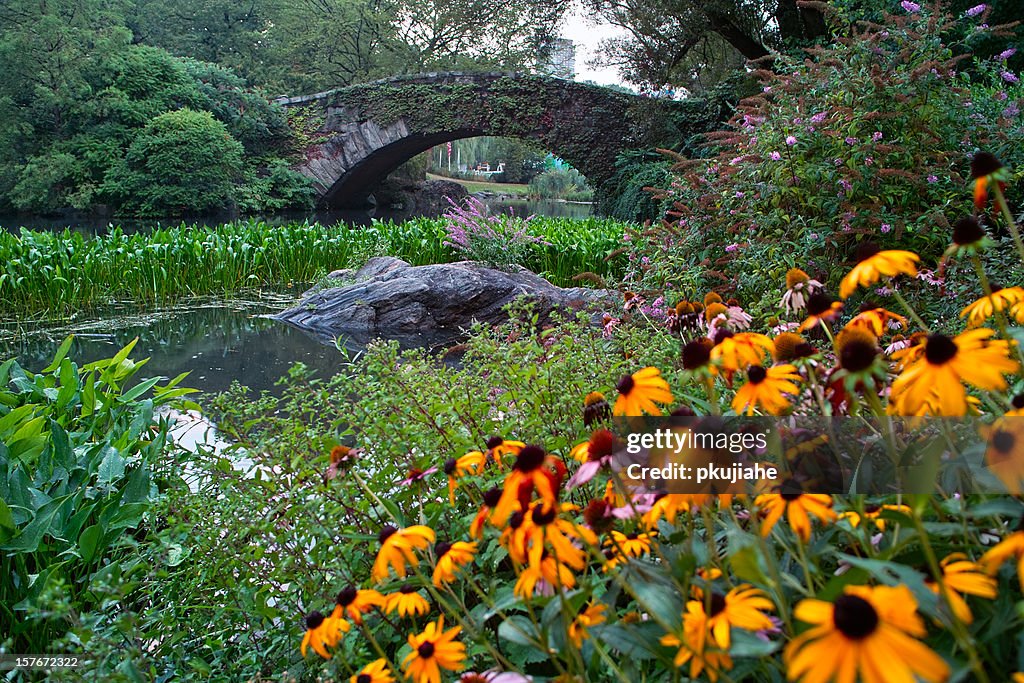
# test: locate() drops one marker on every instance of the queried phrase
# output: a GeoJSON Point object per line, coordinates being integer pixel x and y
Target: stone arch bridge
{"type": "Point", "coordinates": [352, 138]}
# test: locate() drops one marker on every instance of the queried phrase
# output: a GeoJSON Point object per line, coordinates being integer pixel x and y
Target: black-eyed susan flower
{"type": "Point", "coordinates": [594, 454]}
{"type": "Point", "coordinates": [798, 507]}
{"type": "Point", "coordinates": [696, 354]}
{"type": "Point", "coordinates": [471, 463]}
{"type": "Point", "coordinates": [491, 499]}
{"type": "Point", "coordinates": [322, 633]}
{"type": "Point", "coordinates": [693, 646]}
{"type": "Point", "coordinates": [1010, 548]}
{"type": "Point", "coordinates": [765, 389]}
{"type": "Point", "coordinates": [632, 544]}
{"type": "Point", "coordinates": [873, 264]}
{"type": "Point", "coordinates": [376, 671]}
{"type": "Point", "coordinates": [821, 309]}
{"type": "Point", "coordinates": [396, 549]}
{"type": "Point", "coordinates": [872, 513]}
{"type": "Point", "coordinates": [451, 557]}
{"type": "Point", "coordinates": [407, 601]}
{"type": "Point", "coordinates": [544, 578]}
{"type": "Point", "coordinates": [860, 361]}
{"type": "Point", "coordinates": [987, 306]}
{"type": "Point", "coordinates": [546, 532]}
{"type": "Point", "coordinates": [933, 383]}
{"type": "Point", "coordinates": [969, 238]}
{"type": "Point", "coordinates": [799, 286]}
{"type": "Point", "coordinates": [877, 321]}
{"type": "Point", "coordinates": [869, 634]}
{"type": "Point", "coordinates": [498, 448]}
{"type": "Point", "coordinates": [740, 351]}
{"type": "Point", "coordinates": [963, 577]}
{"type": "Point", "coordinates": [742, 607]}
{"type": "Point", "coordinates": [986, 169]}
{"type": "Point", "coordinates": [1004, 453]}
{"type": "Point", "coordinates": [353, 603]}
{"type": "Point", "coordinates": [432, 650]}
{"type": "Point", "coordinates": [789, 346]}
{"type": "Point", "coordinates": [533, 471]}
{"type": "Point", "coordinates": [595, 408]}
{"type": "Point", "coordinates": [591, 616]}
{"type": "Point", "coordinates": [640, 392]}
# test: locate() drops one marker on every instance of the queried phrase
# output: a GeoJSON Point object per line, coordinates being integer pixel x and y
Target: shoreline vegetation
{"type": "Point", "coordinates": [57, 275]}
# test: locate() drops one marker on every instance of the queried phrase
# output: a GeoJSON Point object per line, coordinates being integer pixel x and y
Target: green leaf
{"type": "Point", "coordinates": [518, 629]}
{"type": "Point", "coordinates": [138, 390]}
{"type": "Point", "coordinates": [7, 527]}
{"type": "Point", "coordinates": [111, 467]}
{"type": "Point", "coordinates": [62, 352]}
{"type": "Point", "coordinates": [89, 541]}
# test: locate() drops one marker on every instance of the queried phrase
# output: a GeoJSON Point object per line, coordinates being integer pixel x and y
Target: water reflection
{"type": "Point", "coordinates": [216, 343]}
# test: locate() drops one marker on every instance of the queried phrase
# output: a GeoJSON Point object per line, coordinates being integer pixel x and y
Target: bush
{"type": "Point", "coordinates": [182, 162]}
{"type": "Point", "coordinates": [497, 240]}
{"type": "Point", "coordinates": [871, 138]}
{"type": "Point", "coordinates": [81, 458]}
{"type": "Point", "coordinates": [558, 183]}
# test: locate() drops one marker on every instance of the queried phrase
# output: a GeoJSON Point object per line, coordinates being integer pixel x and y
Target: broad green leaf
{"type": "Point", "coordinates": [7, 527]}
{"type": "Point", "coordinates": [62, 352]}
{"type": "Point", "coordinates": [89, 542]}
{"type": "Point", "coordinates": [111, 467]}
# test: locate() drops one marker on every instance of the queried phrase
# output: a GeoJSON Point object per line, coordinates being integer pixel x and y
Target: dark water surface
{"type": "Point", "coordinates": [216, 343]}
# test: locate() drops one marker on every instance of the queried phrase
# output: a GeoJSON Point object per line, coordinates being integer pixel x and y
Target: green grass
{"type": "Point", "coordinates": [48, 275]}
{"type": "Point", "coordinates": [514, 189]}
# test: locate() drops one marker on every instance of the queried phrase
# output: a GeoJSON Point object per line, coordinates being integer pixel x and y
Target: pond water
{"type": "Point", "coordinates": [216, 342]}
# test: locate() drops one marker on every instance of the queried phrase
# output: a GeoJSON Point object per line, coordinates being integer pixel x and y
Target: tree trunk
{"type": "Point", "coordinates": [747, 45]}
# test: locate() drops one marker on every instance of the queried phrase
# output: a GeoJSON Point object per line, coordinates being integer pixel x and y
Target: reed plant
{"type": "Point", "coordinates": [58, 274]}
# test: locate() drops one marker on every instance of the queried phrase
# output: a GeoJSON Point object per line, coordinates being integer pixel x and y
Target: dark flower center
{"type": "Point", "coordinates": [857, 355]}
{"type": "Point", "coordinates": [1018, 401]}
{"type": "Point", "coordinates": [387, 532]}
{"type": "Point", "coordinates": [870, 509]}
{"type": "Point", "coordinates": [625, 385]}
{"type": "Point", "coordinates": [542, 515]}
{"type": "Point", "coordinates": [818, 303]}
{"type": "Point", "coordinates": [721, 334]}
{"type": "Point", "coordinates": [516, 520]}
{"type": "Point", "coordinates": [790, 490]}
{"type": "Point", "coordinates": [407, 588]}
{"type": "Point", "coordinates": [854, 617]}
{"type": "Point", "coordinates": [347, 596]}
{"type": "Point", "coordinates": [717, 603]}
{"type": "Point", "coordinates": [803, 350]}
{"type": "Point", "coordinates": [1003, 442]}
{"type": "Point", "coordinates": [866, 250]}
{"type": "Point", "coordinates": [939, 349]}
{"type": "Point", "coordinates": [696, 354]}
{"type": "Point", "coordinates": [756, 374]}
{"type": "Point", "coordinates": [441, 549]}
{"type": "Point", "coordinates": [492, 496]}
{"type": "Point", "coordinates": [529, 459]}
{"type": "Point", "coordinates": [425, 650]}
{"type": "Point", "coordinates": [967, 231]}
{"type": "Point", "coordinates": [984, 164]}
{"type": "Point", "coordinates": [449, 466]}
{"type": "Point", "coordinates": [364, 678]}
{"type": "Point", "coordinates": [683, 411]}
{"type": "Point", "coordinates": [601, 444]}
{"type": "Point", "coordinates": [495, 441]}
{"type": "Point", "coordinates": [313, 620]}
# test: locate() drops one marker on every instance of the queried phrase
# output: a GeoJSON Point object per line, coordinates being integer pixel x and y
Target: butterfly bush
{"type": "Point", "coordinates": [870, 135]}
{"type": "Point", "coordinates": [497, 239]}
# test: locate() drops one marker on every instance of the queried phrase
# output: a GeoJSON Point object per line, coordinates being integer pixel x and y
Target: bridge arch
{"type": "Point", "coordinates": [354, 137]}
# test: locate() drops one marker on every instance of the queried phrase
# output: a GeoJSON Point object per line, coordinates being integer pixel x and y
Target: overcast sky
{"type": "Point", "coordinates": [586, 36]}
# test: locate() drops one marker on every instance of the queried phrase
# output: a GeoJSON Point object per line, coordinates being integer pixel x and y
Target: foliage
{"type": "Point", "coordinates": [181, 162]}
{"type": "Point", "coordinates": [497, 240]}
{"type": "Point", "coordinates": [697, 43]}
{"type": "Point", "coordinates": [869, 139]}
{"type": "Point", "coordinates": [58, 274]}
{"type": "Point", "coordinates": [81, 459]}
{"type": "Point", "coordinates": [63, 145]}
{"type": "Point", "coordinates": [558, 183]}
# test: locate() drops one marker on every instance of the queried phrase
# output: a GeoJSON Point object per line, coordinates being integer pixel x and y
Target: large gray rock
{"type": "Point", "coordinates": [389, 298]}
